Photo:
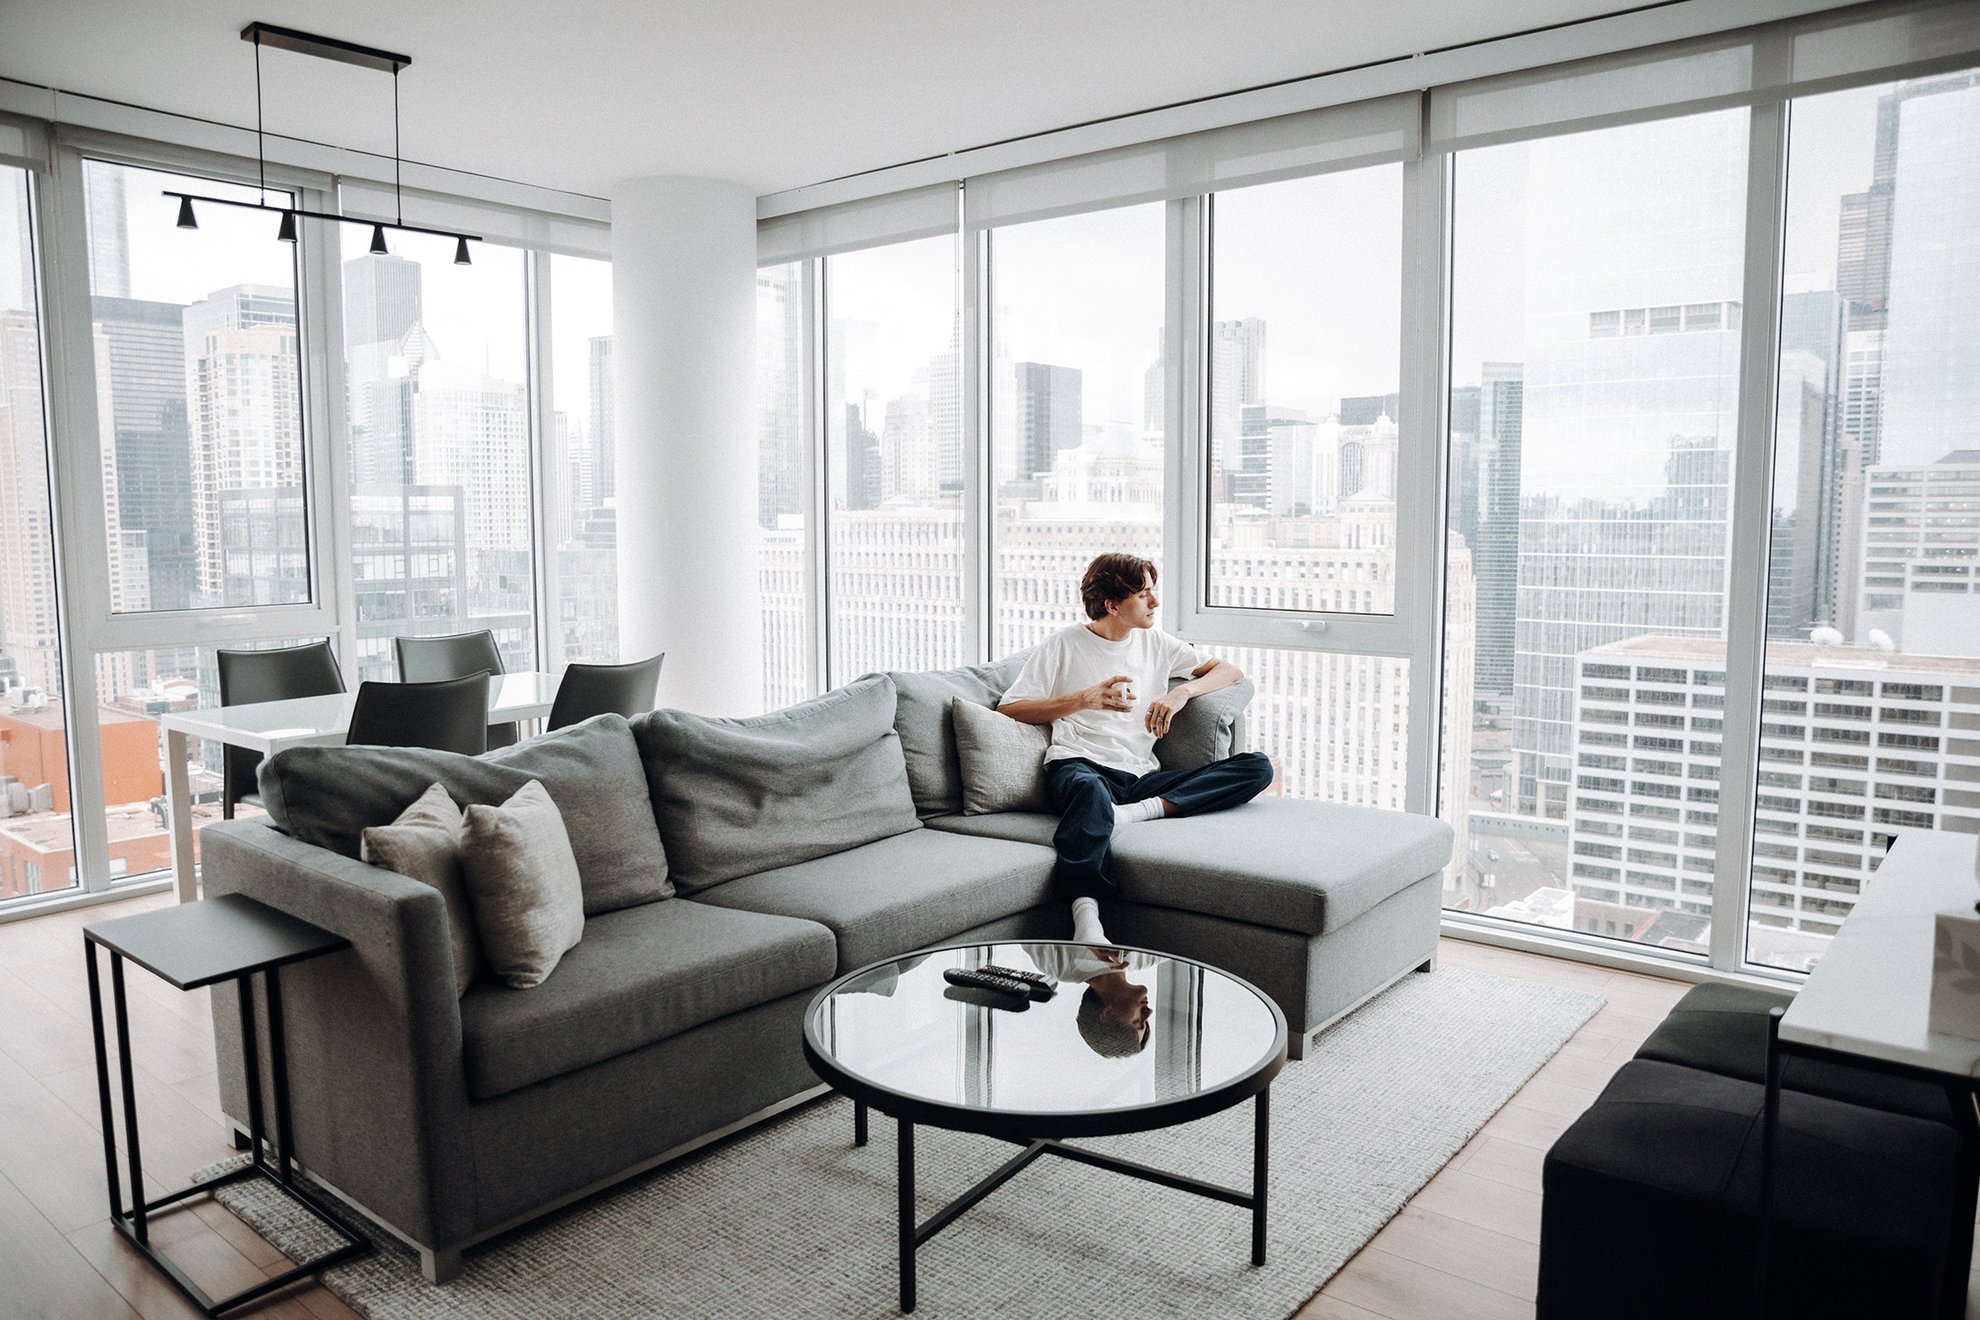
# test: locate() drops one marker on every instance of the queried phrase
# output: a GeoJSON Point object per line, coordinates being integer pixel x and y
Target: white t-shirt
{"type": "Point", "coordinates": [1077, 657]}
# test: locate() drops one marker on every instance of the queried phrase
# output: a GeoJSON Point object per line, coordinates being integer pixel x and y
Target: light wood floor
{"type": "Point", "coordinates": [1466, 1246]}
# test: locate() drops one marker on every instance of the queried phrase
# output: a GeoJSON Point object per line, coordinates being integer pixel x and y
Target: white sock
{"type": "Point", "coordinates": [1086, 922]}
{"type": "Point", "coordinates": [1147, 809]}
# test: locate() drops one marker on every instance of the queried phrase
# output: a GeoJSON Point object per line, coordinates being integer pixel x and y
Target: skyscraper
{"type": "Point", "coordinates": [1048, 414]}
{"type": "Point", "coordinates": [107, 222]}
{"type": "Point", "coordinates": [1495, 552]}
{"type": "Point", "coordinates": [150, 440]}
{"type": "Point", "coordinates": [382, 299]}
{"type": "Point", "coordinates": [603, 486]}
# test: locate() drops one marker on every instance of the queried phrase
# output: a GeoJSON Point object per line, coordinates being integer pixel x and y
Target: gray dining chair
{"type": "Point", "coordinates": [247, 677]}
{"type": "Point", "coordinates": [429, 659]}
{"type": "Point", "coordinates": [587, 690]}
{"type": "Point", "coordinates": [450, 715]}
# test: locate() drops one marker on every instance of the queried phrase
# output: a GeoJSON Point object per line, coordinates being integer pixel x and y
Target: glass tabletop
{"type": "Point", "coordinates": [1124, 1031]}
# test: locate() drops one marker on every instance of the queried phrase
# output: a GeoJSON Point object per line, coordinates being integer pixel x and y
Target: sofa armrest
{"type": "Point", "coordinates": [376, 1082]}
{"type": "Point", "coordinates": [1209, 728]}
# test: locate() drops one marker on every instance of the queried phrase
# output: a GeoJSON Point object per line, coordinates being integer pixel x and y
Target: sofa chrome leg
{"type": "Point", "coordinates": [1297, 1043]}
{"type": "Point", "coordinates": [440, 1266]}
{"type": "Point", "coordinates": [1428, 964]}
{"type": "Point", "coordinates": [241, 1139]}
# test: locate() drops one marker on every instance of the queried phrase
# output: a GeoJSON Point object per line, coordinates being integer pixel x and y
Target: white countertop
{"type": "Point", "coordinates": [1871, 993]}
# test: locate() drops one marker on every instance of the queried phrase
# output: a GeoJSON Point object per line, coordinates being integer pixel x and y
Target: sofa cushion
{"type": "Point", "coordinates": [928, 740]}
{"type": "Point", "coordinates": [1310, 867]}
{"type": "Point", "coordinates": [1723, 1029]}
{"type": "Point", "coordinates": [640, 975]}
{"type": "Point", "coordinates": [738, 796]}
{"type": "Point", "coordinates": [424, 844]}
{"type": "Point", "coordinates": [1003, 760]}
{"type": "Point", "coordinates": [899, 894]}
{"type": "Point", "coordinates": [1209, 728]}
{"type": "Point", "coordinates": [326, 796]}
{"type": "Point", "coordinates": [522, 882]}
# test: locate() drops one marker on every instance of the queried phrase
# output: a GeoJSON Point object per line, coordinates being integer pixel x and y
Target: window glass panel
{"type": "Point", "coordinates": [1874, 587]}
{"type": "Point", "coordinates": [783, 439]}
{"type": "Point", "coordinates": [1595, 353]}
{"type": "Point", "coordinates": [199, 395]}
{"type": "Point", "coordinates": [133, 689]}
{"type": "Point", "coordinates": [893, 462]}
{"type": "Point", "coordinates": [439, 447]}
{"type": "Point", "coordinates": [1304, 360]}
{"type": "Point", "coordinates": [580, 500]}
{"type": "Point", "coordinates": [1077, 430]}
{"type": "Point", "coordinates": [37, 843]}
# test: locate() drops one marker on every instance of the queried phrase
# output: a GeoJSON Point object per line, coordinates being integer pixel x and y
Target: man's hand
{"type": "Point", "coordinates": [1106, 696]}
{"type": "Point", "coordinates": [1162, 710]}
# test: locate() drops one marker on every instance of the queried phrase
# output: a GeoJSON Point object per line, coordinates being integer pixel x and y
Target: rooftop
{"type": "Point", "coordinates": [1787, 655]}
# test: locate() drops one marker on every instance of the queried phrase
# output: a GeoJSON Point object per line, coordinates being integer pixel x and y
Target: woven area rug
{"type": "Point", "coordinates": [790, 1219]}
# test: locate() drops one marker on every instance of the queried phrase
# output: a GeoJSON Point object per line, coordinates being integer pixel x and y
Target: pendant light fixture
{"type": "Point", "coordinates": [329, 48]}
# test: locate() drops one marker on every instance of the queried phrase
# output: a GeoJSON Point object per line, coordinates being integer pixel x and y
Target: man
{"type": "Point", "coordinates": [1103, 686]}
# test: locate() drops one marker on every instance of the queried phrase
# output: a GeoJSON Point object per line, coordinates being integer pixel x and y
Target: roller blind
{"type": "Point", "coordinates": [1312, 142]}
{"type": "Point", "coordinates": [508, 225]}
{"type": "Point", "coordinates": [1797, 57]}
{"type": "Point", "coordinates": [895, 218]}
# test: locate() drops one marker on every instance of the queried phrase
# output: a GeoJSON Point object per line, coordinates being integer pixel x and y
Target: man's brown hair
{"type": "Point", "coordinates": [1113, 577]}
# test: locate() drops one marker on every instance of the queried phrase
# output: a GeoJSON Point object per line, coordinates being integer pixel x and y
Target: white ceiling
{"type": "Point", "coordinates": [774, 94]}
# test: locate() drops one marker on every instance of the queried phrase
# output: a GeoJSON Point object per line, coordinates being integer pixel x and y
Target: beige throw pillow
{"type": "Point", "coordinates": [523, 882]}
{"type": "Point", "coordinates": [424, 844]}
{"type": "Point", "coordinates": [1003, 760]}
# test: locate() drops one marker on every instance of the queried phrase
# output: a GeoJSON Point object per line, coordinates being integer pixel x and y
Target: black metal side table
{"type": "Point", "coordinates": [229, 938]}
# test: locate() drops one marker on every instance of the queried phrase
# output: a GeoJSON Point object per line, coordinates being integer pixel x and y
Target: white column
{"type": "Point", "coordinates": [684, 379]}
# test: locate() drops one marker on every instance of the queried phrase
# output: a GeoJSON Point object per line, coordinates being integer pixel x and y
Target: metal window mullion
{"type": "Point", "coordinates": [817, 567]}
{"type": "Point", "coordinates": [978, 512]}
{"type": "Point", "coordinates": [1751, 517]}
{"type": "Point", "coordinates": [76, 471]}
{"type": "Point", "coordinates": [538, 295]}
{"type": "Point", "coordinates": [1421, 515]}
{"type": "Point", "coordinates": [1185, 387]}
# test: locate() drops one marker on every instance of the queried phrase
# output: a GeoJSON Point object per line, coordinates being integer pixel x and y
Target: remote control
{"type": "Point", "coordinates": [1041, 985]}
{"type": "Point", "coordinates": [986, 980]}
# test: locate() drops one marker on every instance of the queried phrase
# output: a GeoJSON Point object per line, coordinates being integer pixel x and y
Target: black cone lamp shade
{"type": "Point", "coordinates": [378, 247]}
{"type": "Point", "coordinates": [186, 218]}
{"type": "Point", "coordinates": [461, 257]}
{"type": "Point", "coordinates": [287, 233]}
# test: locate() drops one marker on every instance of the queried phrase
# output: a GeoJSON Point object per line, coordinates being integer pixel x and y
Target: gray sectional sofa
{"type": "Point", "coordinates": [730, 868]}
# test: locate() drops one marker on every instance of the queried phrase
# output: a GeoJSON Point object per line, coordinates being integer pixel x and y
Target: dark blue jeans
{"type": "Point", "coordinates": [1085, 794]}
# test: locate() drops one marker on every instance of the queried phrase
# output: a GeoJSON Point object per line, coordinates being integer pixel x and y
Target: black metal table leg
{"type": "Point", "coordinates": [278, 1063]}
{"type": "Point", "coordinates": [907, 1213]}
{"type": "Point", "coordinates": [1770, 1118]}
{"type": "Point", "coordinates": [103, 1084]}
{"type": "Point", "coordinates": [859, 1122]}
{"type": "Point", "coordinates": [138, 1219]}
{"type": "Point", "coordinates": [1261, 1162]}
{"type": "Point", "coordinates": [251, 1065]}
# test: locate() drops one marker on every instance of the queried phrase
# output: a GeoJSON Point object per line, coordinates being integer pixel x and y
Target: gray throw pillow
{"type": "Point", "coordinates": [327, 796]}
{"type": "Point", "coordinates": [1003, 760]}
{"type": "Point", "coordinates": [523, 883]}
{"type": "Point", "coordinates": [928, 740]}
{"type": "Point", "coordinates": [1209, 728]}
{"type": "Point", "coordinates": [424, 844]}
{"type": "Point", "coordinates": [738, 796]}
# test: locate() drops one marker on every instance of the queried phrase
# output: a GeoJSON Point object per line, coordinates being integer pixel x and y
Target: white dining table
{"type": "Point", "coordinates": [273, 726]}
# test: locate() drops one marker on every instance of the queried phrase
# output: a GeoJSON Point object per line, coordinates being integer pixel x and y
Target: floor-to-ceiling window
{"type": "Point", "coordinates": [37, 838]}
{"type": "Point", "coordinates": [1074, 395]}
{"type": "Point", "coordinates": [438, 450]}
{"type": "Point", "coordinates": [894, 458]}
{"type": "Point", "coordinates": [1871, 695]}
{"type": "Point", "coordinates": [1596, 312]}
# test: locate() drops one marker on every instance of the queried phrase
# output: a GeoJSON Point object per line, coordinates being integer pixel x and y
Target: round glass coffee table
{"type": "Point", "coordinates": [1130, 1040]}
